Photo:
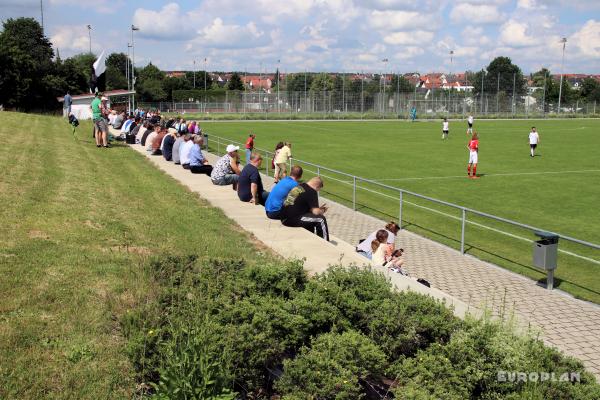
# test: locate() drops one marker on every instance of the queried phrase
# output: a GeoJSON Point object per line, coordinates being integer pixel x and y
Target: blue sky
{"type": "Point", "coordinates": [328, 35]}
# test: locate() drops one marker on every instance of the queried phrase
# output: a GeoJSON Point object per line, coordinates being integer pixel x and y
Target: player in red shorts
{"type": "Point", "coordinates": [473, 147]}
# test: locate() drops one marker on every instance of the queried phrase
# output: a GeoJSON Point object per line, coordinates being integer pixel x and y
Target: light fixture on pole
{"type": "Point", "coordinates": [89, 27]}
{"type": "Point", "coordinates": [133, 28]}
{"type": "Point", "coordinates": [451, 59]}
{"type": "Point", "coordinates": [562, 66]}
{"type": "Point", "coordinates": [384, 61]}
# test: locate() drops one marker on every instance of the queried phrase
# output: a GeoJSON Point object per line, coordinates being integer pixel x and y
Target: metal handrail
{"type": "Point", "coordinates": [401, 192]}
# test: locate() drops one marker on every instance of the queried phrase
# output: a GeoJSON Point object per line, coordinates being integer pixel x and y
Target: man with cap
{"type": "Point", "coordinates": [226, 170]}
{"type": "Point", "coordinates": [100, 126]}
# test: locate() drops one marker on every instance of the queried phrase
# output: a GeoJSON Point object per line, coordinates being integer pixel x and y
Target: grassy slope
{"type": "Point", "coordinates": [565, 203]}
{"type": "Point", "coordinates": [77, 221]}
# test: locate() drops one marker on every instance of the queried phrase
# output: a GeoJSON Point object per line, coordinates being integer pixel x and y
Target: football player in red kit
{"type": "Point", "coordinates": [473, 147]}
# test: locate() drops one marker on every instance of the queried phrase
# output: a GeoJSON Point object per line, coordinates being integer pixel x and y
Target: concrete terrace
{"type": "Point", "coordinates": [469, 284]}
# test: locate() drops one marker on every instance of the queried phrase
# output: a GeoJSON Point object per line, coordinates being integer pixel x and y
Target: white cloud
{"type": "Point", "coordinates": [220, 35]}
{"type": "Point", "coordinates": [474, 35]}
{"type": "Point", "coordinates": [70, 39]}
{"type": "Point", "coordinates": [166, 24]}
{"type": "Point", "coordinates": [399, 20]}
{"type": "Point", "coordinates": [408, 37]}
{"type": "Point", "coordinates": [476, 13]}
{"type": "Point", "coordinates": [530, 5]}
{"type": "Point", "coordinates": [101, 6]}
{"type": "Point", "coordinates": [587, 39]}
{"type": "Point", "coordinates": [515, 34]}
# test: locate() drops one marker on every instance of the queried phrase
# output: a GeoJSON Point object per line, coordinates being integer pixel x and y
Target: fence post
{"type": "Point", "coordinates": [462, 231]}
{"type": "Point", "coordinates": [400, 210]}
{"type": "Point", "coordinates": [318, 171]}
{"type": "Point", "coordinates": [268, 162]}
{"type": "Point", "coordinates": [354, 192]}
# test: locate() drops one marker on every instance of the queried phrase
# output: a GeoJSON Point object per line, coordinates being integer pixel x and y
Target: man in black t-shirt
{"type": "Point", "coordinates": [250, 187]}
{"type": "Point", "coordinates": [301, 208]}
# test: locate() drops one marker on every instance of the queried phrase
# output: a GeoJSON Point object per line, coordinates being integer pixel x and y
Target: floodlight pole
{"type": "Point", "coordinates": [89, 27]}
{"type": "Point", "coordinates": [42, 13]}
{"type": "Point", "coordinates": [562, 66]}
{"type": "Point", "coordinates": [128, 76]}
{"type": "Point", "coordinates": [133, 28]}
{"type": "Point", "coordinates": [205, 67]}
{"type": "Point", "coordinates": [278, 84]}
{"type": "Point", "coordinates": [544, 98]}
{"type": "Point", "coordinates": [385, 60]}
{"type": "Point", "coordinates": [194, 74]}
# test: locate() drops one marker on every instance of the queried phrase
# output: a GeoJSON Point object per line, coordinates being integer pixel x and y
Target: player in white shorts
{"type": "Point", "coordinates": [473, 147]}
{"type": "Point", "coordinates": [534, 140]}
{"type": "Point", "coordinates": [470, 124]}
{"type": "Point", "coordinates": [445, 128]}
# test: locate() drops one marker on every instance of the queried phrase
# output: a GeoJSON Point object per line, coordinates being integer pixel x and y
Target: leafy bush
{"type": "Point", "coordinates": [221, 326]}
{"type": "Point", "coordinates": [332, 368]}
{"type": "Point", "coordinates": [468, 366]}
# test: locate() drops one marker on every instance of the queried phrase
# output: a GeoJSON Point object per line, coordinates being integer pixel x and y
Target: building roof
{"type": "Point", "coordinates": [108, 93]}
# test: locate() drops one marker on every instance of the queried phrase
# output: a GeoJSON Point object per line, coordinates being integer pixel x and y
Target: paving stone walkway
{"type": "Point", "coordinates": [570, 325]}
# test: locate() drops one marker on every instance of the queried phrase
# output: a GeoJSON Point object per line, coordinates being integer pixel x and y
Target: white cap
{"type": "Point", "coordinates": [231, 148]}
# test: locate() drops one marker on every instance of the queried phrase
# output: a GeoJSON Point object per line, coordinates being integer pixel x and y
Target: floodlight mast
{"type": "Point", "coordinates": [562, 66]}
{"type": "Point", "coordinates": [133, 28]}
{"type": "Point", "coordinates": [89, 27]}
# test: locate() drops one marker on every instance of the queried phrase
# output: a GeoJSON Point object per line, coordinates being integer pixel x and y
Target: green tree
{"type": "Point", "coordinates": [235, 82]}
{"type": "Point", "coordinates": [500, 75]}
{"type": "Point", "coordinates": [299, 82]}
{"type": "Point", "coordinates": [400, 84]}
{"type": "Point", "coordinates": [322, 83]}
{"type": "Point", "coordinates": [26, 65]}
{"type": "Point", "coordinates": [149, 84]}
{"type": "Point", "coordinates": [116, 69]}
{"type": "Point", "coordinates": [590, 89]}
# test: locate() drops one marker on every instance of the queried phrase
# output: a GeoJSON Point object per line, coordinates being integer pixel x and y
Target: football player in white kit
{"type": "Point", "coordinates": [534, 140]}
{"type": "Point", "coordinates": [470, 124]}
{"type": "Point", "coordinates": [445, 128]}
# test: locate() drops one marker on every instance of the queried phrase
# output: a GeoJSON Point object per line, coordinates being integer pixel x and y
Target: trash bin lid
{"type": "Point", "coordinates": [553, 237]}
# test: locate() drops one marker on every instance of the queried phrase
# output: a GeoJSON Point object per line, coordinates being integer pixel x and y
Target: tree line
{"type": "Point", "coordinates": [33, 75]}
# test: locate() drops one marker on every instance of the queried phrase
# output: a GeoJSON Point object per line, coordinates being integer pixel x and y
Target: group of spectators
{"type": "Point", "coordinates": [293, 202]}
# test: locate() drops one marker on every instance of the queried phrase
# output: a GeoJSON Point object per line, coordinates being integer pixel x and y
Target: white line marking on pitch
{"type": "Point", "coordinates": [486, 175]}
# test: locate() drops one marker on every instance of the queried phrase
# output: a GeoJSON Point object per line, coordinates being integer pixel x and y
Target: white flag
{"type": "Point", "coordinates": [100, 65]}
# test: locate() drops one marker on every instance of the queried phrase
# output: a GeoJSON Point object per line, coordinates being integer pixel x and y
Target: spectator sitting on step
{"type": "Point", "coordinates": [364, 247]}
{"type": "Point", "coordinates": [198, 163]}
{"type": "Point", "coordinates": [141, 132]}
{"type": "Point", "coordinates": [176, 148]}
{"type": "Point", "coordinates": [149, 130]}
{"type": "Point", "coordinates": [301, 208]}
{"type": "Point", "coordinates": [250, 187]}
{"type": "Point", "coordinates": [381, 253]}
{"type": "Point", "coordinates": [136, 129]}
{"type": "Point", "coordinates": [150, 138]}
{"type": "Point", "coordinates": [381, 236]}
{"type": "Point", "coordinates": [227, 169]}
{"type": "Point", "coordinates": [156, 151]}
{"type": "Point", "coordinates": [280, 191]}
{"type": "Point", "coordinates": [125, 126]}
{"type": "Point", "coordinates": [184, 151]}
{"type": "Point", "coordinates": [167, 144]}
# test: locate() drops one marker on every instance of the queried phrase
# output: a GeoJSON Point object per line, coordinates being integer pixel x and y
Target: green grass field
{"type": "Point", "coordinates": [558, 190]}
{"type": "Point", "coordinates": [79, 225]}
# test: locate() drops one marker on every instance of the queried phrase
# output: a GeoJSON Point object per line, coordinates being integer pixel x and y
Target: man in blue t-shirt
{"type": "Point", "coordinates": [280, 191]}
{"type": "Point", "coordinates": [250, 187]}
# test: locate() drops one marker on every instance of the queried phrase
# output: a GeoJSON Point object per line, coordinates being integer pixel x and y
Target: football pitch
{"type": "Point", "coordinates": [557, 190]}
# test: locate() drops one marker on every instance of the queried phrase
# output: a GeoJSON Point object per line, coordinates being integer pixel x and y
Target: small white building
{"type": "Point", "coordinates": [81, 106]}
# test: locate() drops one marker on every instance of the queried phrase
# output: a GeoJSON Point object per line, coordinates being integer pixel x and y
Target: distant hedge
{"type": "Point", "coordinates": [224, 330]}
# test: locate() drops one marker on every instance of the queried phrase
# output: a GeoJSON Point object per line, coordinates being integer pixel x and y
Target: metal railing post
{"type": "Point", "coordinates": [268, 162]}
{"type": "Point", "coordinates": [354, 193]}
{"type": "Point", "coordinates": [318, 171]}
{"type": "Point", "coordinates": [462, 231]}
{"type": "Point", "coordinates": [400, 210]}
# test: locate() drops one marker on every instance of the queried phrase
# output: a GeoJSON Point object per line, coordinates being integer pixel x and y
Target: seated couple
{"type": "Point", "coordinates": [379, 247]}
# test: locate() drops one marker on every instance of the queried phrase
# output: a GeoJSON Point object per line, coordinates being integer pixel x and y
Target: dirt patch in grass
{"type": "Point", "coordinates": [35, 234]}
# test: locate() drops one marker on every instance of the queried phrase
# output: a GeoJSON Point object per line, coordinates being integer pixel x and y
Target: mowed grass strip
{"type": "Point", "coordinates": [413, 156]}
{"type": "Point", "coordinates": [77, 224]}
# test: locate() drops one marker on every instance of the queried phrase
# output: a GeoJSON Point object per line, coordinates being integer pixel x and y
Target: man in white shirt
{"type": "Point", "coordinates": [445, 128]}
{"type": "Point", "coordinates": [184, 151]}
{"type": "Point", "coordinates": [534, 139]}
{"type": "Point", "coordinates": [470, 124]}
